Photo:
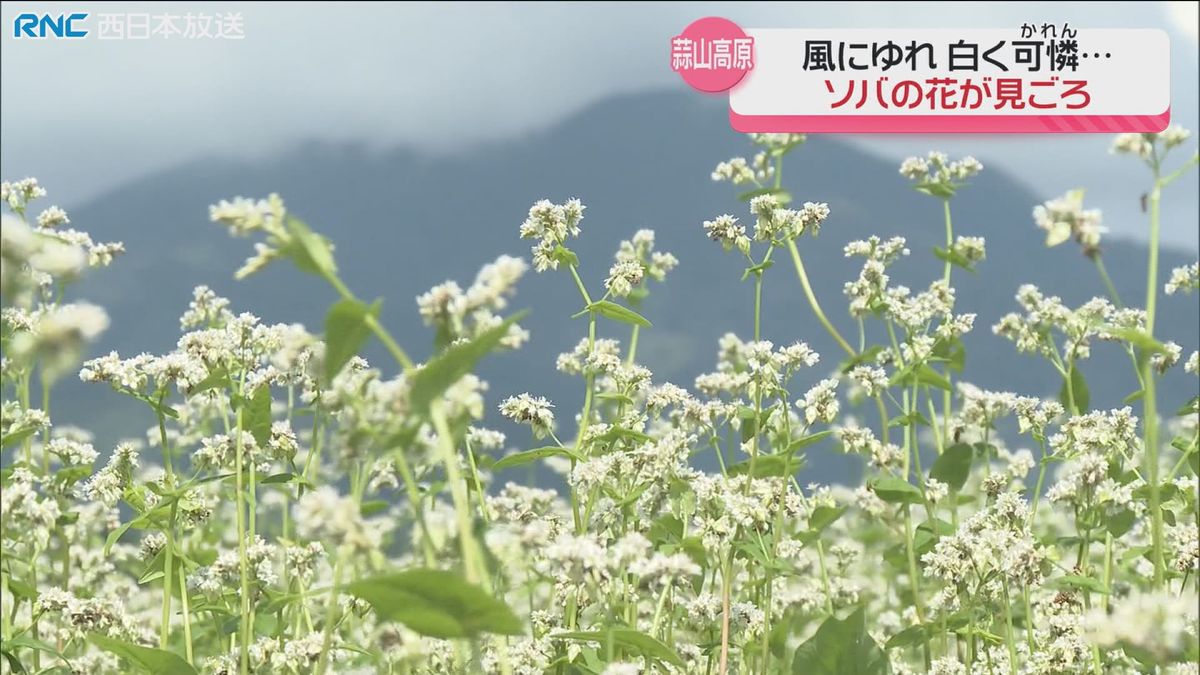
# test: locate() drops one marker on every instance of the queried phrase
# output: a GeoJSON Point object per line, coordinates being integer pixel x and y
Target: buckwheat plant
{"type": "Point", "coordinates": [293, 508]}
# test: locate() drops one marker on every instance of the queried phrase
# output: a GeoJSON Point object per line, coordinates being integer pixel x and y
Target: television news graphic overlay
{"type": "Point", "coordinates": [1026, 79]}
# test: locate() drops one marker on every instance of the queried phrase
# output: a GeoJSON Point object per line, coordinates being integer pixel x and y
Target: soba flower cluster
{"type": "Point", "coordinates": [280, 504]}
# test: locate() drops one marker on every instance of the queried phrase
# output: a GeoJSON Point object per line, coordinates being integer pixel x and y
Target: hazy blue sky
{"type": "Point", "coordinates": [86, 115]}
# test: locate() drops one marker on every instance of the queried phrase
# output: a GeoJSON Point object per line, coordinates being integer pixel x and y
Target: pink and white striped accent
{"type": "Point", "coordinates": [1126, 73]}
{"type": "Point", "coordinates": [949, 124]}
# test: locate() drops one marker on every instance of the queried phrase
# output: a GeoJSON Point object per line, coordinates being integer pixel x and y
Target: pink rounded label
{"type": "Point", "coordinates": [712, 54]}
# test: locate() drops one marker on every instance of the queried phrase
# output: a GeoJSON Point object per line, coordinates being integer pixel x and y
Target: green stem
{"type": "Point", "coordinates": [243, 572]}
{"type": "Point", "coordinates": [46, 432]}
{"type": "Point", "coordinates": [949, 239]}
{"type": "Point", "coordinates": [1183, 459]}
{"type": "Point", "coordinates": [26, 445]}
{"type": "Point", "coordinates": [586, 416]}
{"type": "Point", "coordinates": [1041, 479]}
{"type": "Point", "coordinates": [910, 549]}
{"type": "Point", "coordinates": [1108, 552]}
{"type": "Point", "coordinates": [825, 577]}
{"type": "Point", "coordinates": [1150, 412]}
{"type": "Point", "coordinates": [1187, 166]}
{"type": "Point", "coordinates": [812, 299]}
{"type": "Point", "coordinates": [164, 637]}
{"type": "Point", "coordinates": [1028, 619]}
{"type": "Point", "coordinates": [1108, 284]}
{"type": "Point", "coordinates": [758, 284]}
{"type": "Point", "coordinates": [579, 284]}
{"type": "Point", "coordinates": [726, 590]}
{"type": "Point", "coordinates": [187, 619]}
{"type": "Point", "coordinates": [658, 610]}
{"type": "Point", "coordinates": [1008, 621]}
{"type": "Point", "coordinates": [472, 563]}
{"type": "Point", "coordinates": [162, 435]}
{"type": "Point", "coordinates": [392, 346]}
{"type": "Point", "coordinates": [314, 453]}
{"type": "Point", "coordinates": [946, 393]}
{"type": "Point", "coordinates": [483, 511]}
{"type": "Point", "coordinates": [331, 609]}
{"type": "Point", "coordinates": [169, 554]}
{"type": "Point", "coordinates": [418, 507]}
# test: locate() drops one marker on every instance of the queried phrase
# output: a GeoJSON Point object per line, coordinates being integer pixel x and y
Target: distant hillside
{"type": "Point", "coordinates": [403, 222]}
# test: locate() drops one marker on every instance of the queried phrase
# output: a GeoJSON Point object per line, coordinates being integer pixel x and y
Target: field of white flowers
{"type": "Point", "coordinates": [295, 509]}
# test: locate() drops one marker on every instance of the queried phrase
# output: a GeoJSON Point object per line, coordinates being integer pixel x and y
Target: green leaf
{"type": "Point", "coordinates": [665, 529]}
{"type": "Point", "coordinates": [1184, 444]}
{"type": "Point", "coordinates": [154, 519]}
{"type": "Point", "coordinates": [931, 377]}
{"type": "Point", "coordinates": [14, 663]}
{"type": "Point", "coordinates": [72, 475]}
{"type": "Point", "coordinates": [913, 418]}
{"type": "Point", "coordinates": [986, 635]}
{"type": "Point", "coordinates": [909, 637]}
{"type": "Point", "coordinates": [616, 433]}
{"type": "Point", "coordinates": [757, 269]}
{"type": "Point", "coordinates": [920, 374]}
{"type": "Point", "coordinates": [953, 466]}
{"type": "Point", "coordinates": [953, 257]}
{"type": "Point", "coordinates": [156, 569]}
{"type": "Point", "coordinates": [311, 252]}
{"type": "Point", "coordinates": [841, 647]}
{"type": "Point", "coordinates": [17, 436]}
{"type": "Point", "coordinates": [256, 418]}
{"type": "Point", "coordinates": [346, 331]}
{"type": "Point", "coordinates": [617, 312]}
{"type": "Point", "coordinates": [614, 397]}
{"type": "Point", "coordinates": [824, 516]}
{"type": "Point", "coordinates": [155, 661]}
{"type": "Point", "coordinates": [216, 378]}
{"type": "Point", "coordinates": [527, 456]}
{"type": "Point", "coordinates": [801, 443]}
{"type": "Point", "coordinates": [956, 357]}
{"type": "Point", "coordinates": [896, 491]}
{"type": "Point", "coordinates": [156, 406]}
{"type": "Point", "coordinates": [21, 589]}
{"type": "Point", "coordinates": [936, 528]}
{"type": "Point", "coordinates": [1121, 523]}
{"type": "Point", "coordinates": [372, 507]}
{"type": "Point", "coordinates": [1080, 582]}
{"type": "Point", "coordinates": [935, 189]}
{"type": "Point", "coordinates": [281, 478]}
{"type": "Point", "coordinates": [1192, 407]}
{"type": "Point", "coordinates": [627, 639]}
{"type": "Point", "coordinates": [114, 536]}
{"type": "Point", "coordinates": [30, 643]}
{"type": "Point", "coordinates": [436, 603]}
{"type": "Point", "coordinates": [766, 466]}
{"type": "Point", "coordinates": [867, 356]}
{"type": "Point", "coordinates": [1138, 338]}
{"type": "Point", "coordinates": [781, 194]}
{"type": "Point", "coordinates": [564, 255]}
{"type": "Point", "coordinates": [1078, 388]}
{"type": "Point", "coordinates": [443, 370]}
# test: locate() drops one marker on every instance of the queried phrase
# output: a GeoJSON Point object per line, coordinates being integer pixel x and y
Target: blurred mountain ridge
{"type": "Point", "coordinates": [403, 221]}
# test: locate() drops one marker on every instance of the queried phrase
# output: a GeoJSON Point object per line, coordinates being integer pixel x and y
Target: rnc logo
{"type": "Point", "coordinates": [44, 25]}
